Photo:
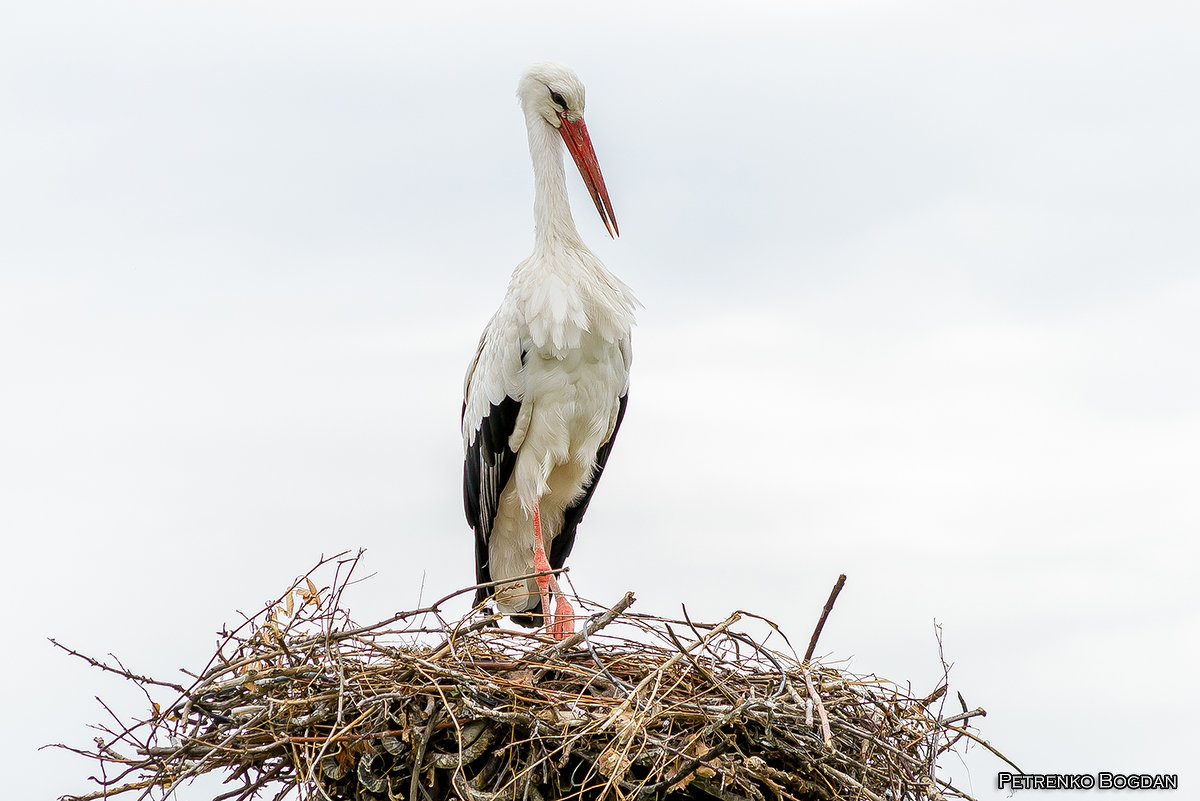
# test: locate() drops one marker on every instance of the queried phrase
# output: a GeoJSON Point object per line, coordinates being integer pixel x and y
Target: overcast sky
{"type": "Point", "coordinates": [922, 305]}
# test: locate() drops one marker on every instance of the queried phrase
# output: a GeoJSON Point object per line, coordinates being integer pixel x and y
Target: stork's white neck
{"type": "Point", "coordinates": [553, 224]}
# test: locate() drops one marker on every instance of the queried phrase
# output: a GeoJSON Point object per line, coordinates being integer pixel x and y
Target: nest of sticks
{"type": "Point", "coordinates": [300, 702]}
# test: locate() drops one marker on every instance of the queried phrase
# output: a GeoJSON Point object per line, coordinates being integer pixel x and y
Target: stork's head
{"type": "Point", "coordinates": [554, 93]}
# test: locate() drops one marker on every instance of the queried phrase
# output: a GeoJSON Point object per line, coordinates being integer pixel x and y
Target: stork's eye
{"type": "Point", "coordinates": [558, 100]}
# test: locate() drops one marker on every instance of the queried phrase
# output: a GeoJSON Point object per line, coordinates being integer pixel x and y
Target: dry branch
{"type": "Point", "coordinates": [301, 702]}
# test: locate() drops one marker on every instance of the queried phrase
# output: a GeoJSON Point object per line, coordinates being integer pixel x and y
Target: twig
{"type": "Point", "coordinates": [974, 713]}
{"type": "Point", "coordinates": [826, 735]}
{"type": "Point", "coordinates": [812, 644]}
{"type": "Point", "coordinates": [120, 671]}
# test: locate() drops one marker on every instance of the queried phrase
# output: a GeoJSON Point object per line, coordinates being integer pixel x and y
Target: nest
{"type": "Point", "coordinates": [300, 702]}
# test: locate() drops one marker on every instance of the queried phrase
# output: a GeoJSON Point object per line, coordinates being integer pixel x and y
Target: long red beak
{"type": "Point", "coordinates": [575, 134]}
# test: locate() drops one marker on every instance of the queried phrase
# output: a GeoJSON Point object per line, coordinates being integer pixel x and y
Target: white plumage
{"type": "Point", "coordinates": [546, 391]}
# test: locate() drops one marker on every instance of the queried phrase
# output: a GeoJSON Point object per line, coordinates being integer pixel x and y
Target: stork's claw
{"type": "Point", "coordinates": [564, 615]}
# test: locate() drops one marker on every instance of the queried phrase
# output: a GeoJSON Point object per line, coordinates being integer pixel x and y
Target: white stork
{"type": "Point", "coordinates": [546, 392]}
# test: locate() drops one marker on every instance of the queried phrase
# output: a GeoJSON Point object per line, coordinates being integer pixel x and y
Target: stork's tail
{"type": "Point", "coordinates": [515, 595]}
{"type": "Point", "coordinates": [531, 618]}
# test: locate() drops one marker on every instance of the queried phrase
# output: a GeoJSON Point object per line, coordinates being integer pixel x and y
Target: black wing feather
{"type": "Point", "coordinates": [488, 466]}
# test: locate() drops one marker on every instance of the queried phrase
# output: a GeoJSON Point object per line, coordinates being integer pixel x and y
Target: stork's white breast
{"type": "Point", "coordinates": [569, 411]}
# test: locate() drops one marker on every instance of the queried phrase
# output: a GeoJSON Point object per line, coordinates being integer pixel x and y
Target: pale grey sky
{"type": "Point", "coordinates": [921, 306]}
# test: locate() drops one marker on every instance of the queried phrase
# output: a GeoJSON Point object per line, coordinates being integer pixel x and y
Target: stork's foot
{"type": "Point", "coordinates": [564, 618]}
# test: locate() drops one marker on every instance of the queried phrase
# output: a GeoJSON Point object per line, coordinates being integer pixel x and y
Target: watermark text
{"type": "Point", "coordinates": [1103, 780]}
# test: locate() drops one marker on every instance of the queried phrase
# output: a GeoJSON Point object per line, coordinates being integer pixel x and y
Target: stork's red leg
{"type": "Point", "coordinates": [541, 564]}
